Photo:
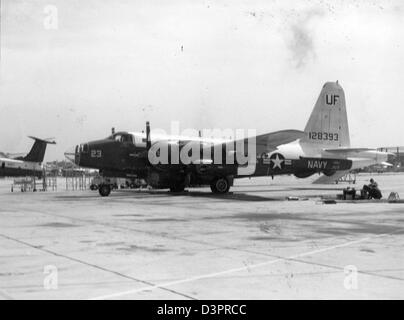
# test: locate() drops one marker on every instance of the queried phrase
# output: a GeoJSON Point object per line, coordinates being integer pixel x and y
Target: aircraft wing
{"type": "Point", "coordinates": [277, 138]}
{"type": "Point", "coordinates": [270, 141]}
{"type": "Point", "coordinates": [11, 155]}
{"type": "Point", "coordinates": [15, 155]}
{"type": "Point", "coordinates": [264, 143]}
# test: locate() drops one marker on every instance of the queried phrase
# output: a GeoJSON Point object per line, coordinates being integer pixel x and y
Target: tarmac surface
{"type": "Point", "coordinates": [250, 244]}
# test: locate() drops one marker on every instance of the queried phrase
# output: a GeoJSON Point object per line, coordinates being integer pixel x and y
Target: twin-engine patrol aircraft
{"type": "Point", "coordinates": [323, 147]}
{"type": "Point", "coordinates": [29, 165]}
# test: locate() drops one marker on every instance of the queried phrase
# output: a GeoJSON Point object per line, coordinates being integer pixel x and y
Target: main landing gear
{"type": "Point", "coordinates": [177, 188]}
{"type": "Point", "coordinates": [220, 185]}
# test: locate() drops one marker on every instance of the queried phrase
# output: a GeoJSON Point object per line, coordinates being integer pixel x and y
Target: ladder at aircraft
{"type": "Point", "coordinates": [350, 177]}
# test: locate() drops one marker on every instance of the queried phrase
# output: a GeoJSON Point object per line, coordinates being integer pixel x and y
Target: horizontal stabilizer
{"type": "Point", "coordinates": [49, 140]}
{"type": "Point", "coordinates": [348, 150]}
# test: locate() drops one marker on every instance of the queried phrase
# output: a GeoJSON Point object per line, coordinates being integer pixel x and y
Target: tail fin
{"type": "Point", "coordinates": [328, 123]}
{"type": "Point", "coordinates": [37, 152]}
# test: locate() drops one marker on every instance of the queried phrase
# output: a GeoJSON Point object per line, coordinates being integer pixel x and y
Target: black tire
{"type": "Point", "coordinates": [177, 188]}
{"type": "Point", "coordinates": [220, 185]}
{"type": "Point", "coordinates": [104, 190]}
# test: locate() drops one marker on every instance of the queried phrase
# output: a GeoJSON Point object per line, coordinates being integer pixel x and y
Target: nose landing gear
{"type": "Point", "coordinates": [104, 190]}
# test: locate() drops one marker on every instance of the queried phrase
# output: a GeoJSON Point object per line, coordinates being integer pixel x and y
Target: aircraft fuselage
{"type": "Point", "coordinates": [19, 168]}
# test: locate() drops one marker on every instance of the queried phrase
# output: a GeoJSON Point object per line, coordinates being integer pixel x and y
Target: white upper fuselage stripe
{"type": "Point", "coordinates": [19, 164]}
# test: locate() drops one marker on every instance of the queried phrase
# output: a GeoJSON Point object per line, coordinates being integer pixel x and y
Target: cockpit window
{"type": "Point", "coordinates": [126, 138]}
{"type": "Point", "coordinates": [122, 137]}
{"type": "Point", "coordinates": [85, 148]}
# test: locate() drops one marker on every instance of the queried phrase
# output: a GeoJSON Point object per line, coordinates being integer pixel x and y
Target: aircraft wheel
{"type": "Point", "coordinates": [177, 188]}
{"type": "Point", "coordinates": [104, 190]}
{"type": "Point", "coordinates": [220, 185]}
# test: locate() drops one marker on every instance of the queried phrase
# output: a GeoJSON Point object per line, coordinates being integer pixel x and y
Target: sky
{"type": "Point", "coordinates": [73, 69]}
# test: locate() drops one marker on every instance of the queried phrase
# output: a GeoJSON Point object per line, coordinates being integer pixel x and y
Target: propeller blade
{"type": "Point", "coordinates": [148, 140]}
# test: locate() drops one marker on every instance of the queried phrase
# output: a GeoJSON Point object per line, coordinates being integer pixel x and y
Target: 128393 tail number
{"type": "Point", "coordinates": [327, 136]}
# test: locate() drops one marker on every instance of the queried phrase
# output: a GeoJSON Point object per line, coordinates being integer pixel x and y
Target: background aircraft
{"type": "Point", "coordinates": [323, 147]}
{"type": "Point", "coordinates": [29, 165]}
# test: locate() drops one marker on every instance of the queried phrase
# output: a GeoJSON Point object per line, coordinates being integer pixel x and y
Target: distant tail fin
{"type": "Point", "coordinates": [37, 152]}
{"type": "Point", "coordinates": [328, 123]}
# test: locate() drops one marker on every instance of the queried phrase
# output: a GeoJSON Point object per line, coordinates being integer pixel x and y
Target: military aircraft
{"type": "Point", "coordinates": [323, 147]}
{"type": "Point", "coordinates": [29, 165]}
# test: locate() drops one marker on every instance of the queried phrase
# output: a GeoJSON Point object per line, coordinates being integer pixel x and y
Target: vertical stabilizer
{"type": "Point", "coordinates": [328, 122]}
{"type": "Point", "coordinates": [37, 152]}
